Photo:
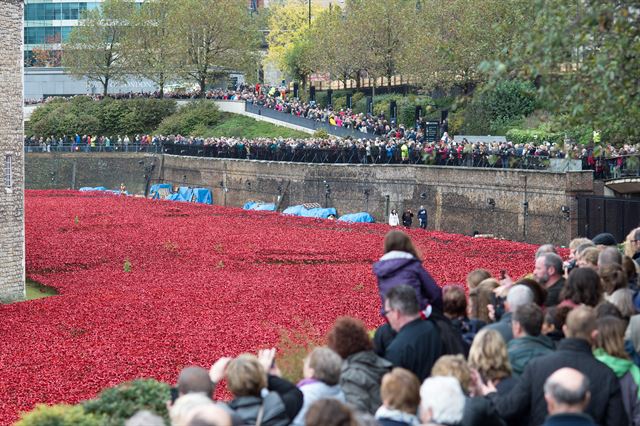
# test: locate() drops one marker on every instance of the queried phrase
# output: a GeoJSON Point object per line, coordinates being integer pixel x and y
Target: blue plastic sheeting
{"type": "Point", "coordinates": [318, 213]}
{"type": "Point", "coordinates": [293, 210]}
{"type": "Point", "coordinates": [362, 217]}
{"type": "Point", "coordinates": [186, 193]}
{"type": "Point", "coordinates": [249, 205]}
{"type": "Point", "coordinates": [160, 190]}
{"type": "Point", "coordinates": [177, 197]}
{"type": "Point", "coordinates": [252, 205]}
{"type": "Point", "coordinates": [202, 196]}
{"type": "Point", "coordinates": [265, 207]}
{"type": "Point", "coordinates": [90, 188]}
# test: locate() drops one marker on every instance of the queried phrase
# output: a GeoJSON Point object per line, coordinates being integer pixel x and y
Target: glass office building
{"type": "Point", "coordinates": [48, 22]}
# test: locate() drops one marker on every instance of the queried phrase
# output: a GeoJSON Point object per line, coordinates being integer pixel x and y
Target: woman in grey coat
{"type": "Point", "coordinates": [362, 369]}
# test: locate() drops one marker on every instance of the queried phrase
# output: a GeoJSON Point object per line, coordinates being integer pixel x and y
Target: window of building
{"type": "Point", "coordinates": [46, 35]}
{"type": "Point", "coordinates": [8, 177]}
{"type": "Point", "coordinates": [57, 11]}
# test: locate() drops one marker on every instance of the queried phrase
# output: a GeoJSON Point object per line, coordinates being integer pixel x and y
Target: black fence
{"type": "Point", "coordinates": [353, 155]}
{"type": "Point", "coordinates": [607, 214]}
{"type": "Point", "coordinates": [151, 148]}
{"type": "Point", "coordinates": [307, 123]}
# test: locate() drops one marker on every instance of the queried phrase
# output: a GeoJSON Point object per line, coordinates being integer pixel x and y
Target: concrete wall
{"type": "Point", "coordinates": [456, 198]}
{"type": "Point", "coordinates": [11, 152]}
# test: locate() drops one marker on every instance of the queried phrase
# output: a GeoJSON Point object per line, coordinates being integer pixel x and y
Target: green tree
{"type": "Point", "coordinates": [383, 29]}
{"type": "Point", "coordinates": [95, 49]}
{"type": "Point", "coordinates": [288, 26]}
{"type": "Point", "coordinates": [585, 58]}
{"type": "Point", "coordinates": [459, 35]}
{"type": "Point", "coordinates": [213, 36]}
{"type": "Point", "coordinates": [152, 51]}
{"type": "Point", "coordinates": [331, 39]}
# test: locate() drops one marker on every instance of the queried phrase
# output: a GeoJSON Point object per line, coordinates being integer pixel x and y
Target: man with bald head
{"type": "Point", "coordinates": [198, 380]}
{"type": "Point", "coordinates": [526, 400]}
{"type": "Point", "coordinates": [567, 394]}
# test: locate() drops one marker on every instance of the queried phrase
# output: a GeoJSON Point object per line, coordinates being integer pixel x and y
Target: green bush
{"type": "Point", "coordinates": [196, 116]}
{"type": "Point", "coordinates": [535, 136]}
{"type": "Point", "coordinates": [106, 117]}
{"type": "Point", "coordinates": [508, 99]}
{"type": "Point", "coordinates": [59, 415]}
{"type": "Point", "coordinates": [321, 134]}
{"type": "Point", "coordinates": [119, 403]}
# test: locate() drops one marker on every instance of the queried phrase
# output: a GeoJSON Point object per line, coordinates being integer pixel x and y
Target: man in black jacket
{"type": "Point", "coordinates": [526, 401]}
{"type": "Point", "coordinates": [417, 345]}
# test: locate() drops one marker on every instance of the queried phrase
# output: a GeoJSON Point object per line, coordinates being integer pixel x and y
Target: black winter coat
{"type": "Point", "coordinates": [526, 400]}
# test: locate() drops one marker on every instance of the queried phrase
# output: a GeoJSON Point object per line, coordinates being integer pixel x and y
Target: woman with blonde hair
{"type": "Point", "coordinates": [400, 393]}
{"type": "Point", "coordinates": [260, 397]}
{"type": "Point", "coordinates": [609, 344]}
{"type": "Point", "coordinates": [588, 258]}
{"type": "Point", "coordinates": [489, 357]}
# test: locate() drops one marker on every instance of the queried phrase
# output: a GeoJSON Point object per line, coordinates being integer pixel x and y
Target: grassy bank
{"type": "Point", "coordinates": [234, 125]}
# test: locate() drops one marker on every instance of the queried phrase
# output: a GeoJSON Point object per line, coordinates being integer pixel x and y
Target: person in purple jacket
{"type": "Point", "coordinates": [402, 264]}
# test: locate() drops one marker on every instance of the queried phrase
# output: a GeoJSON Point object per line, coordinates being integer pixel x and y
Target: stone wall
{"type": "Point", "coordinates": [11, 152]}
{"type": "Point", "coordinates": [75, 170]}
{"type": "Point", "coordinates": [457, 199]}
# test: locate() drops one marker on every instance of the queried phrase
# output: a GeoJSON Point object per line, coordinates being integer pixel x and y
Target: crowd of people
{"type": "Point", "coordinates": [242, 93]}
{"type": "Point", "coordinates": [557, 347]}
{"type": "Point", "coordinates": [394, 143]}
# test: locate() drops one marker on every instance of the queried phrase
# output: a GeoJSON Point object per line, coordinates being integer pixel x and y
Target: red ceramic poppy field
{"type": "Point", "coordinates": [147, 287]}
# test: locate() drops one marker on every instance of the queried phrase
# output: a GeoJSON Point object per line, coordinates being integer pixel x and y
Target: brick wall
{"type": "Point", "coordinates": [11, 152]}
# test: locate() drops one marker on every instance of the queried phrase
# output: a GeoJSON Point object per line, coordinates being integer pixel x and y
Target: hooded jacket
{"type": "Point", "coordinates": [628, 375]}
{"type": "Point", "coordinates": [396, 268]}
{"type": "Point", "coordinates": [360, 380]}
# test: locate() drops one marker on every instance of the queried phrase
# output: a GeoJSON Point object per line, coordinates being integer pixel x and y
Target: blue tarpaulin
{"type": "Point", "coordinates": [293, 210]}
{"type": "Point", "coordinates": [319, 213]}
{"type": "Point", "coordinates": [257, 206]}
{"type": "Point", "coordinates": [357, 217]}
{"type": "Point", "coordinates": [315, 212]}
{"type": "Point", "coordinates": [90, 188]}
{"type": "Point", "coordinates": [202, 196]}
{"type": "Point", "coordinates": [160, 191]}
{"type": "Point", "coordinates": [177, 197]}
{"type": "Point", "coordinates": [269, 207]}
{"type": "Point", "coordinates": [249, 205]}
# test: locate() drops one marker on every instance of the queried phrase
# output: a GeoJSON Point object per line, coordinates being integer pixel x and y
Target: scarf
{"type": "Point", "coordinates": [619, 366]}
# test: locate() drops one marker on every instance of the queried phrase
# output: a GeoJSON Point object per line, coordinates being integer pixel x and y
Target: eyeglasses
{"type": "Point", "coordinates": [386, 311]}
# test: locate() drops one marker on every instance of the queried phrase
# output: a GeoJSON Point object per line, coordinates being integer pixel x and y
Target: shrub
{"type": "Point", "coordinates": [534, 136]}
{"type": "Point", "coordinates": [59, 415]}
{"type": "Point", "coordinates": [321, 134]}
{"type": "Point", "coordinates": [121, 402]}
{"type": "Point", "coordinates": [197, 115]}
{"type": "Point", "coordinates": [508, 99]}
{"type": "Point", "coordinates": [106, 117]}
